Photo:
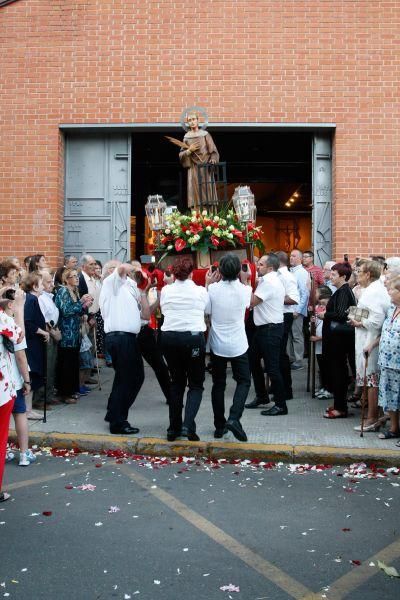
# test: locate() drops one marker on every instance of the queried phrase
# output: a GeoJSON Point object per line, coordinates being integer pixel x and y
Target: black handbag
{"type": "Point", "coordinates": [8, 344]}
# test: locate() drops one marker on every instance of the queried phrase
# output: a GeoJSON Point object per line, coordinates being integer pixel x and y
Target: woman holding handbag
{"type": "Point", "coordinates": [338, 339]}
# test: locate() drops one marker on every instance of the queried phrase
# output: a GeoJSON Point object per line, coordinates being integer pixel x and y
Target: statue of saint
{"type": "Point", "coordinates": [199, 149]}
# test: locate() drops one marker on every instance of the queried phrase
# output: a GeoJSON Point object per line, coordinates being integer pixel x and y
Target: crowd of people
{"type": "Point", "coordinates": [260, 317]}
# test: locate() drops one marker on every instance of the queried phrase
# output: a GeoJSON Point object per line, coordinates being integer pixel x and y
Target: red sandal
{"type": "Point", "coordinates": [335, 414]}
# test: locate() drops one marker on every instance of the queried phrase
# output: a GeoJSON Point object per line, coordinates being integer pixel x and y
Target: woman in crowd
{"type": "Point", "coordinates": [10, 333]}
{"type": "Point", "coordinates": [371, 311]}
{"type": "Point", "coordinates": [71, 308]}
{"type": "Point", "coordinates": [36, 336]}
{"type": "Point", "coordinates": [8, 274]}
{"type": "Point", "coordinates": [37, 264]}
{"type": "Point", "coordinates": [100, 336]}
{"type": "Point", "coordinates": [51, 314]}
{"type": "Point", "coordinates": [338, 339]}
{"type": "Point", "coordinates": [183, 304]}
{"type": "Point", "coordinates": [389, 363]}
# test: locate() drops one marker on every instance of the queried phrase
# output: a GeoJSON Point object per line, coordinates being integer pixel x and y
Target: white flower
{"type": "Point", "coordinates": [223, 222]}
{"type": "Point", "coordinates": [191, 240]}
{"type": "Point", "coordinates": [231, 227]}
{"type": "Point", "coordinates": [216, 232]}
{"type": "Point", "coordinates": [196, 237]}
{"type": "Point", "coordinates": [194, 219]}
{"type": "Point", "coordinates": [169, 247]}
{"type": "Point", "coordinates": [216, 218]}
{"type": "Point", "coordinates": [204, 213]}
{"type": "Point", "coordinates": [230, 236]}
{"type": "Point", "coordinates": [167, 231]}
{"type": "Point", "coordinates": [194, 212]}
{"type": "Point", "coordinates": [208, 228]}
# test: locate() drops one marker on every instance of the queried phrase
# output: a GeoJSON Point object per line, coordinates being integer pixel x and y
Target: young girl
{"type": "Point", "coordinates": [323, 294]}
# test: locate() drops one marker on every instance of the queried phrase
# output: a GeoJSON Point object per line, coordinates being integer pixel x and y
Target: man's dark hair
{"type": "Point", "coordinates": [309, 253]}
{"type": "Point", "coordinates": [282, 257]}
{"type": "Point", "coordinates": [273, 261]}
{"type": "Point", "coordinates": [229, 267]}
{"type": "Point", "coordinates": [324, 292]}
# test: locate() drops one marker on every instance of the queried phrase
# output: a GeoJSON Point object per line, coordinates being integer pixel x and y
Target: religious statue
{"type": "Point", "coordinates": [198, 148]}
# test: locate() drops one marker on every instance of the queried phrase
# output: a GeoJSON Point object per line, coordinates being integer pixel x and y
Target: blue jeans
{"type": "Point", "coordinates": [241, 374]}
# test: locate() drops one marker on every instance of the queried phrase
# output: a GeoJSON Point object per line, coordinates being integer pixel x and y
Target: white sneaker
{"type": "Point", "coordinates": [26, 458]}
{"type": "Point", "coordinates": [325, 396]}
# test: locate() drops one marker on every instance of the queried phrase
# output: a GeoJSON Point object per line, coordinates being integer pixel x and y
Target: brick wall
{"type": "Point", "coordinates": [105, 61]}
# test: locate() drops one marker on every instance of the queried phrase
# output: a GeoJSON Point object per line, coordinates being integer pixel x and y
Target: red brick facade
{"type": "Point", "coordinates": [140, 61]}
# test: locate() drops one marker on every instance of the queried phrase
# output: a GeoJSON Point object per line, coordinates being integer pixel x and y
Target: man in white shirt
{"type": "Point", "coordinates": [268, 301]}
{"type": "Point", "coordinates": [122, 305]}
{"type": "Point", "coordinates": [228, 301]}
{"type": "Point", "coordinates": [296, 337]}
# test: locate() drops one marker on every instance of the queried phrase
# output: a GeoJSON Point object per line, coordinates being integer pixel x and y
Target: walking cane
{"type": "Point", "coordinates": [45, 379]}
{"type": "Point", "coordinates": [97, 358]}
{"type": "Point", "coordinates": [311, 346]}
{"type": "Point", "coordinates": [364, 397]}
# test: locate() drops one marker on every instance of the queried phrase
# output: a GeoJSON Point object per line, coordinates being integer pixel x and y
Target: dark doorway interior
{"type": "Point", "coordinates": [277, 166]}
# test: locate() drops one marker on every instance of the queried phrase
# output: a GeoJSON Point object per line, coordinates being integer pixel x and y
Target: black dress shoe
{"type": "Point", "coordinates": [191, 435]}
{"type": "Point", "coordinates": [237, 430]}
{"type": "Point", "coordinates": [275, 411]}
{"type": "Point", "coordinates": [107, 418]}
{"type": "Point", "coordinates": [256, 403]}
{"type": "Point", "coordinates": [172, 435]}
{"type": "Point", "coordinates": [125, 430]}
{"type": "Point", "coordinates": [219, 432]}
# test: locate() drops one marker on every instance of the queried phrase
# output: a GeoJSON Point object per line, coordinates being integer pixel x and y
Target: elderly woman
{"type": "Point", "coordinates": [370, 315]}
{"type": "Point", "coordinates": [338, 339]}
{"type": "Point", "coordinates": [389, 363]}
{"type": "Point", "coordinates": [36, 336]}
{"type": "Point", "coordinates": [183, 304]}
{"type": "Point", "coordinates": [8, 274]}
{"type": "Point", "coordinates": [71, 308]}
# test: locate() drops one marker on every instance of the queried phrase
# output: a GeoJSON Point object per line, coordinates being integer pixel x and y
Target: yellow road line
{"type": "Point", "coordinates": [45, 478]}
{"type": "Point", "coordinates": [281, 579]}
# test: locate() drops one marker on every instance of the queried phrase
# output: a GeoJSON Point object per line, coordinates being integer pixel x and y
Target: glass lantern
{"type": "Point", "coordinates": [155, 212]}
{"type": "Point", "coordinates": [243, 202]}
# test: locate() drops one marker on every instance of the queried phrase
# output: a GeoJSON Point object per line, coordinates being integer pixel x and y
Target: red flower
{"type": "Point", "coordinates": [1, 376]}
{"type": "Point", "coordinates": [184, 228]}
{"type": "Point", "coordinates": [195, 228]}
{"type": "Point", "coordinates": [214, 241]}
{"type": "Point", "coordinates": [7, 333]}
{"type": "Point", "coordinates": [180, 244]}
{"type": "Point", "coordinates": [150, 247]}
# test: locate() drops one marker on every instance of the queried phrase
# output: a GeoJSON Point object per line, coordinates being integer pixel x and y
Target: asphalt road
{"type": "Point", "coordinates": [159, 530]}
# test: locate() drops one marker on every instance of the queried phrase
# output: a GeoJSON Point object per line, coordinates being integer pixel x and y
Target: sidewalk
{"type": "Point", "coordinates": [301, 436]}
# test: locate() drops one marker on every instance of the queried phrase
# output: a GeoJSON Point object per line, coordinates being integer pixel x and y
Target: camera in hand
{"type": "Point", "coordinates": [245, 267]}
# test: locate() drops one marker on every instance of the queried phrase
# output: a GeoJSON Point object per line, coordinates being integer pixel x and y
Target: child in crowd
{"type": "Point", "coordinates": [20, 375]}
{"type": "Point", "coordinates": [323, 294]}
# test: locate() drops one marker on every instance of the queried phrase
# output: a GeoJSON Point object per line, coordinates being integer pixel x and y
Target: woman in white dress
{"type": "Point", "coordinates": [371, 311]}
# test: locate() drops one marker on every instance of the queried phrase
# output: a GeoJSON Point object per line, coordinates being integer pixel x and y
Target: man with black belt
{"type": "Point", "coordinates": [122, 305]}
{"type": "Point", "coordinates": [268, 301]}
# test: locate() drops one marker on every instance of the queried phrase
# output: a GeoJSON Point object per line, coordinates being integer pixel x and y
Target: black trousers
{"type": "Point", "coordinates": [266, 344]}
{"type": "Point", "coordinates": [67, 371]}
{"type": "Point", "coordinates": [151, 352]}
{"type": "Point", "coordinates": [241, 374]}
{"type": "Point", "coordinates": [129, 375]}
{"type": "Point", "coordinates": [340, 356]}
{"type": "Point", "coordinates": [185, 353]}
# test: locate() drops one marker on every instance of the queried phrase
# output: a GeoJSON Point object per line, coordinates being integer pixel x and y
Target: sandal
{"type": "Point", "coordinates": [335, 414]}
{"type": "Point", "coordinates": [4, 496]}
{"type": "Point", "coordinates": [389, 435]}
{"type": "Point", "coordinates": [71, 400]}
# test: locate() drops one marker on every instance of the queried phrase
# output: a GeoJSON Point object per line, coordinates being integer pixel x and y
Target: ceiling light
{"type": "Point", "coordinates": [288, 204]}
{"type": "Point", "coordinates": [291, 200]}
{"type": "Point", "coordinates": [296, 194]}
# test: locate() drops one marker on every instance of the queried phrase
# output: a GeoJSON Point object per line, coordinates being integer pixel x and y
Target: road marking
{"type": "Point", "coordinates": [281, 579]}
{"type": "Point", "coordinates": [45, 478]}
{"type": "Point", "coordinates": [358, 575]}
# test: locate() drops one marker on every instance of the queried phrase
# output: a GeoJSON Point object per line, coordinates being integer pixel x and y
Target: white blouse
{"type": "Point", "coordinates": [183, 304]}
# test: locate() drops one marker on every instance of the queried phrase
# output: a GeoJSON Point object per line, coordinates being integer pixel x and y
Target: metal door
{"type": "Point", "coordinates": [97, 195]}
{"type": "Point", "coordinates": [322, 197]}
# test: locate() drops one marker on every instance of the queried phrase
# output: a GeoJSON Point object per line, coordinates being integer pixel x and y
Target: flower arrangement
{"type": "Point", "coordinates": [202, 231]}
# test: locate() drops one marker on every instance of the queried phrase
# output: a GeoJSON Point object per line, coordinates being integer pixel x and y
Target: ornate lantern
{"type": "Point", "coordinates": [155, 212]}
{"type": "Point", "coordinates": [243, 202]}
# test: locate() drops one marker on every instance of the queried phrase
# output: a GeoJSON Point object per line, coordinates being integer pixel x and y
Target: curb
{"type": "Point", "coordinates": [229, 450]}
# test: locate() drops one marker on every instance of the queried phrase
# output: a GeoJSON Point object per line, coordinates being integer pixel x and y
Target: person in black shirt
{"type": "Point", "coordinates": [338, 339]}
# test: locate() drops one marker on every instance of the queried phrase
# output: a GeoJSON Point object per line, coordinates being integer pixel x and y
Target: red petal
{"type": "Point", "coordinates": [47, 513]}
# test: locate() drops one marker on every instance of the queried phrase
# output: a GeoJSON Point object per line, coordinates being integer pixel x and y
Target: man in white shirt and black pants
{"type": "Point", "coordinates": [228, 301]}
{"type": "Point", "coordinates": [122, 305]}
{"type": "Point", "coordinates": [268, 301]}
